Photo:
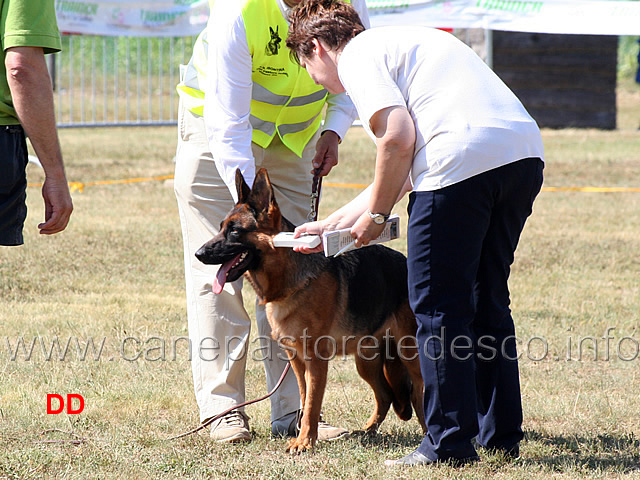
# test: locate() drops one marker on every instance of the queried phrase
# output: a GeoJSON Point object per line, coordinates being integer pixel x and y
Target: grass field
{"type": "Point", "coordinates": [110, 288]}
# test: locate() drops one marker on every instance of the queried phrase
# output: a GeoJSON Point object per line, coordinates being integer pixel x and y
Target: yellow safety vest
{"type": "Point", "coordinates": [284, 99]}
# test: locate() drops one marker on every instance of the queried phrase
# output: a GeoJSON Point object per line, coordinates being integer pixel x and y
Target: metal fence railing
{"type": "Point", "coordinates": [117, 81]}
{"type": "Point", "coordinates": [104, 81]}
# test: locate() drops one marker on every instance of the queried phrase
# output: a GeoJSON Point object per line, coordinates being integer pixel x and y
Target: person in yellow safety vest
{"type": "Point", "coordinates": [244, 104]}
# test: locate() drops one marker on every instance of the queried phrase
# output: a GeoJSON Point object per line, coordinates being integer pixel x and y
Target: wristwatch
{"type": "Point", "coordinates": [378, 218]}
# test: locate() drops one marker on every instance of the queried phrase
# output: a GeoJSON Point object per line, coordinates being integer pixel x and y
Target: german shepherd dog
{"type": "Point", "coordinates": [321, 307]}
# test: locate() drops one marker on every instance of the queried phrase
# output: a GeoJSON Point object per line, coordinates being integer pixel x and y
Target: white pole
{"type": "Point", "coordinates": [488, 45]}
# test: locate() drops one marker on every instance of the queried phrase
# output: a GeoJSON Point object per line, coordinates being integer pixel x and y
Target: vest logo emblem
{"type": "Point", "coordinates": [274, 44]}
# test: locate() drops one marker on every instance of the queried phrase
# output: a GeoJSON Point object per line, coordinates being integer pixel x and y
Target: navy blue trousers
{"type": "Point", "coordinates": [13, 184]}
{"type": "Point", "coordinates": [461, 244]}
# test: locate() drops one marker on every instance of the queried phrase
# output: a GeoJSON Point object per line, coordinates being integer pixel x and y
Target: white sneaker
{"type": "Point", "coordinates": [328, 433]}
{"type": "Point", "coordinates": [289, 426]}
{"type": "Point", "coordinates": [232, 428]}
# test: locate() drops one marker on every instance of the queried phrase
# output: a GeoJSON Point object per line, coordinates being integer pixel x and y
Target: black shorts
{"type": "Point", "coordinates": [13, 184]}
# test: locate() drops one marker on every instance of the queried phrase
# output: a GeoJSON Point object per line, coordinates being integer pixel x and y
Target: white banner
{"type": "Point", "coordinates": [150, 18]}
{"type": "Point", "coordinates": [542, 16]}
{"type": "Point", "coordinates": [189, 17]}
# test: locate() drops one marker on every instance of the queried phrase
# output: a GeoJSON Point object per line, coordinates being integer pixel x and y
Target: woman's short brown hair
{"type": "Point", "coordinates": [333, 22]}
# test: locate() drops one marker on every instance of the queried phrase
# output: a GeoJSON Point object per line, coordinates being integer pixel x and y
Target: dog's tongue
{"type": "Point", "coordinates": [221, 276]}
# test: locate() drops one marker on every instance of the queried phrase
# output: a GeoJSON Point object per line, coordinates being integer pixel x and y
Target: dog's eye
{"type": "Point", "coordinates": [235, 231]}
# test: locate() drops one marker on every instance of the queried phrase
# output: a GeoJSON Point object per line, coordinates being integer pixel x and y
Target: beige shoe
{"type": "Point", "coordinates": [328, 433]}
{"type": "Point", "coordinates": [232, 428]}
{"type": "Point", "coordinates": [289, 426]}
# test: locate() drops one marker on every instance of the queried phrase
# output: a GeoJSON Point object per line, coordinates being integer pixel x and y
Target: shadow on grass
{"type": "Point", "coordinates": [597, 452]}
{"type": "Point", "coordinates": [556, 453]}
{"type": "Point", "coordinates": [384, 441]}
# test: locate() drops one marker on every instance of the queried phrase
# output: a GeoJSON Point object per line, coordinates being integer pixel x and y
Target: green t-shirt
{"type": "Point", "coordinates": [24, 23]}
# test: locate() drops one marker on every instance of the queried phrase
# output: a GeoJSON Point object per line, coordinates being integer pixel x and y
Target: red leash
{"type": "Point", "coordinates": [236, 407]}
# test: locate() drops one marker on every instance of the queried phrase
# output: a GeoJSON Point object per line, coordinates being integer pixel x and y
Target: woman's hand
{"type": "Point", "coordinates": [310, 228]}
{"type": "Point", "coordinates": [365, 230]}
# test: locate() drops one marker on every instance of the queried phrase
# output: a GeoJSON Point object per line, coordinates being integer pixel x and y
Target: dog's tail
{"type": "Point", "coordinates": [399, 380]}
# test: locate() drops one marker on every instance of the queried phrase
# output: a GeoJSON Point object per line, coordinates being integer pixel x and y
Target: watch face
{"type": "Point", "coordinates": [377, 218]}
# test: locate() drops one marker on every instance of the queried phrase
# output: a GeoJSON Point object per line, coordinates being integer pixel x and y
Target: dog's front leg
{"type": "Point", "coordinates": [299, 368]}
{"type": "Point", "coordinates": [316, 382]}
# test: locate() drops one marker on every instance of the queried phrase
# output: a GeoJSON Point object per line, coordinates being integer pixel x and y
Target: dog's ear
{"type": "Point", "coordinates": [242, 188]}
{"type": "Point", "coordinates": [262, 192]}
{"type": "Point", "coordinates": [262, 198]}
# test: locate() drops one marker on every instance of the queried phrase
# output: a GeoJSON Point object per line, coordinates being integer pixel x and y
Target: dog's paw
{"type": "Point", "coordinates": [299, 445]}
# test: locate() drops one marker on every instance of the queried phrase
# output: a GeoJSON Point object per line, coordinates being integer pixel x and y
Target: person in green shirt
{"type": "Point", "coordinates": [28, 30]}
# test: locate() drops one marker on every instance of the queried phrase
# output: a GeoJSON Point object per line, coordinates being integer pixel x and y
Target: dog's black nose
{"type": "Point", "coordinates": [201, 254]}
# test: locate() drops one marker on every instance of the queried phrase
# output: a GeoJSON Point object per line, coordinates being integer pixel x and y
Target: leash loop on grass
{"type": "Point", "coordinates": [220, 415]}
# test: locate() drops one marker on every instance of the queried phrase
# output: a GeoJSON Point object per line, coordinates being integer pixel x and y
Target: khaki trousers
{"type": "Point", "coordinates": [219, 325]}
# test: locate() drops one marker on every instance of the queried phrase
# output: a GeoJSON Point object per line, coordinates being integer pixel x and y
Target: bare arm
{"type": "Point", "coordinates": [396, 133]}
{"type": "Point", "coordinates": [32, 96]}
